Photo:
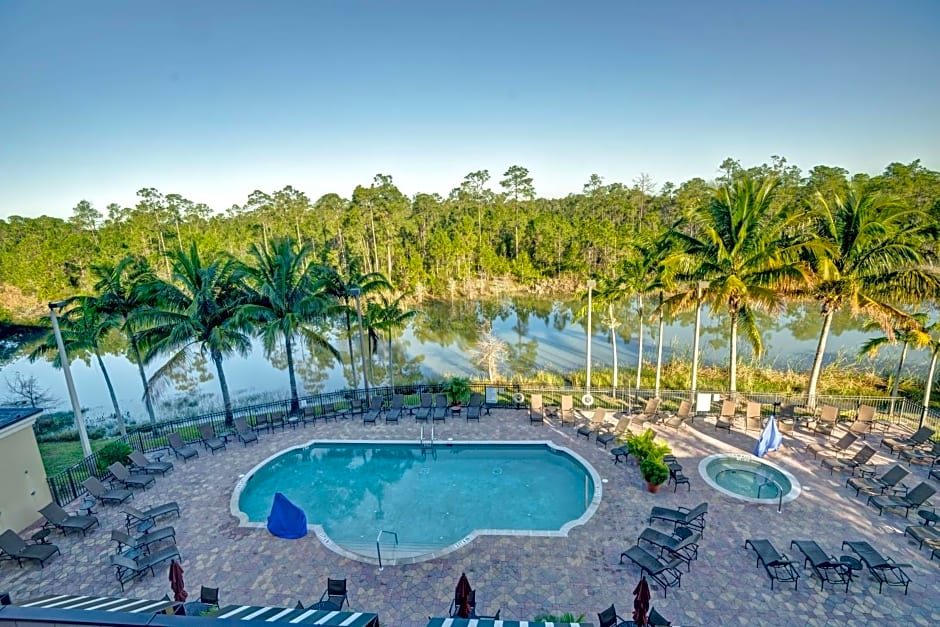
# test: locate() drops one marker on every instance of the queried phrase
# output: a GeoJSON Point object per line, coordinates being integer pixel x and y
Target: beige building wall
{"type": "Point", "coordinates": [23, 488]}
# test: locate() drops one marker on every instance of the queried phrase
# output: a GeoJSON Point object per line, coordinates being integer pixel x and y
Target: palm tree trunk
{"type": "Point", "coordinates": [114, 401]}
{"type": "Point", "coordinates": [148, 403]}
{"type": "Point", "coordinates": [817, 360]}
{"type": "Point", "coordinates": [733, 357]}
{"type": "Point", "coordinates": [289, 349]}
{"type": "Point", "coordinates": [696, 343]}
{"type": "Point", "coordinates": [659, 347]}
{"type": "Point", "coordinates": [226, 399]}
{"type": "Point", "coordinates": [928, 385]}
{"type": "Point", "coordinates": [391, 374]}
{"type": "Point", "coordinates": [613, 342]}
{"type": "Point", "coordinates": [897, 378]}
{"type": "Point", "coordinates": [352, 356]}
{"type": "Point", "coordinates": [639, 346]}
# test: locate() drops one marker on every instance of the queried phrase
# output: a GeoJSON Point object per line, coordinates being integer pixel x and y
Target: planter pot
{"type": "Point", "coordinates": [653, 487]}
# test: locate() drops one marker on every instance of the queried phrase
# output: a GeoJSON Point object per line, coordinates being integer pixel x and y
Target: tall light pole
{"type": "Point", "coordinates": [695, 340]}
{"type": "Point", "coordinates": [64, 358]}
{"type": "Point", "coordinates": [355, 291]}
{"type": "Point", "coordinates": [590, 285]}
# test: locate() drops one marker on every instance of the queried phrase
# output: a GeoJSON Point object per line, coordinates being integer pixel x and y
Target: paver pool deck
{"type": "Point", "coordinates": [522, 576]}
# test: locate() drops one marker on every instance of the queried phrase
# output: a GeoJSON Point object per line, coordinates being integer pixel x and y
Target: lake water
{"type": "Point", "coordinates": [540, 334]}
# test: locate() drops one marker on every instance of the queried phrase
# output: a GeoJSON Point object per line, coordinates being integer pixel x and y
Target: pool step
{"type": "Point", "coordinates": [390, 550]}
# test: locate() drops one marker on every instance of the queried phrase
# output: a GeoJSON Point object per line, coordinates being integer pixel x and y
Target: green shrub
{"type": "Point", "coordinates": [643, 446]}
{"type": "Point", "coordinates": [113, 452]}
{"type": "Point", "coordinates": [654, 471]}
{"type": "Point", "coordinates": [457, 389]}
{"type": "Point", "coordinates": [567, 617]}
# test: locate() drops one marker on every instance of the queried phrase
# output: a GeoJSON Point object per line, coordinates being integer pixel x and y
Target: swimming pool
{"type": "Point", "coordinates": [434, 499]}
{"type": "Point", "coordinates": [749, 478]}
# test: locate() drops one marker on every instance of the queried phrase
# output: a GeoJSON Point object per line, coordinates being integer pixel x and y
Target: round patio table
{"type": "Point", "coordinates": [851, 563]}
{"type": "Point", "coordinates": [928, 517]}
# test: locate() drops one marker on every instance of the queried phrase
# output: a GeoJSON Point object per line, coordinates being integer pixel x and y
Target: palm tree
{"type": "Point", "coordinates": [340, 287]}
{"type": "Point", "coordinates": [916, 337]}
{"type": "Point", "coordinates": [121, 293]}
{"type": "Point", "coordinates": [867, 257]}
{"type": "Point", "coordinates": [82, 326]}
{"type": "Point", "coordinates": [933, 342]}
{"type": "Point", "coordinates": [201, 307]}
{"type": "Point", "coordinates": [284, 298]}
{"type": "Point", "coordinates": [389, 316]}
{"type": "Point", "coordinates": [738, 243]}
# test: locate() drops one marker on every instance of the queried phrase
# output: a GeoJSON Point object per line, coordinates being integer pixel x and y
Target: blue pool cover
{"type": "Point", "coordinates": [286, 519]}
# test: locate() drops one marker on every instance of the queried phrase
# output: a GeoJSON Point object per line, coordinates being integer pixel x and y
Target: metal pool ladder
{"type": "Point", "coordinates": [378, 544]}
{"type": "Point", "coordinates": [426, 444]}
{"type": "Point", "coordinates": [769, 481]}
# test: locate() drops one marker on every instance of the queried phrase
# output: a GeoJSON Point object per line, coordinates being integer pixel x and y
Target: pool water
{"type": "Point", "coordinates": [429, 498]}
{"type": "Point", "coordinates": [749, 478]}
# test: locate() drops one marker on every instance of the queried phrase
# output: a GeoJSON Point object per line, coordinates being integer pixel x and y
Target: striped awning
{"type": "Point", "coordinates": [487, 622]}
{"type": "Point", "coordinates": [327, 618]}
{"type": "Point", "coordinates": [101, 604]}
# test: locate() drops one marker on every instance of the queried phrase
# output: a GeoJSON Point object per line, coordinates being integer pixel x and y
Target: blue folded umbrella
{"type": "Point", "coordinates": [286, 519]}
{"type": "Point", "coordinates": [770, 439]}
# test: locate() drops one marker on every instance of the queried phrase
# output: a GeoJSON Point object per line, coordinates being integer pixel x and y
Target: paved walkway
{"type": "Point", "coordinates": [523, 576]}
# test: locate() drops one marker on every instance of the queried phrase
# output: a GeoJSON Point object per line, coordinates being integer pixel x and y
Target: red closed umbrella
{"type": "Point", "coordinates": [462, 596]}
{"type": "Point", "coordinates": [641, 605]}
{"type": "Point", "coordinates": [176, 582]}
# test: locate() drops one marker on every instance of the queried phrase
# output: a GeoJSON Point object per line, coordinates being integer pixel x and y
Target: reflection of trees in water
{"type": "Point", "coordinates": [188, 376]}
{"type": "Point", "coordinates": [407, 369]}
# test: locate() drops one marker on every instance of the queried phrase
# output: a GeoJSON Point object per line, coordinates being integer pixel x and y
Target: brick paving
{"type": "Point", "coordinates": [524, 576]}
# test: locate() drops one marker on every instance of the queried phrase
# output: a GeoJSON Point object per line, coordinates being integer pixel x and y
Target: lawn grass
{"type": "Point", "coordinates": [58, 456]}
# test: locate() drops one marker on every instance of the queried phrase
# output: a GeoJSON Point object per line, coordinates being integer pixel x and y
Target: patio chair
{"type": "Point", "coordinates": [209, 439]}
{"type": "Point", "coordinates": [683, 545]}
{"type": "Point", "coordinates": [777, 565]}
{"type": "Point", "coordinates": [423, 411]}
{"type": "Point", "coordinates": [335, 592]}
{"type": "Point", "coordinates": [919, 438]}
{"type": "Point", "coordinates": [65, 522]}
{"type": "Point", "coordinates": [924, 534]}
{"type": "Point", "coordinates": [134, 516]}
{"type": "Point", "coordinates": [865, 416]}
{"type": "Point", "coordinates": [566, 410]}
{"type": "Point", "coordinates": [838, 448]}
{"type": "Point", "coordinates": [610, 618]}
{"type": "Point", "coordinates": [884, 569]}
{"type": "Point", "coordinates": [827, 568]}
{"type": "Point", "coordinates": [879, 485]}
{"type": "Point", "coordinates": [16, 548]}
{"type": "Point", "coordinates": [395, 408]}
{"type": "Point", "coordinates": [375, 410]}
{"type": "Point", "coordinates": [655, 619]}
{"type": "Point", "coordinates": [311, 413]}
{"type": "Point", "coordinates": [860, 458]}
{"type": "Point", "coordinates": [277, 419]}
{"type": "Point", "coordinates": [752, 417]}
{"type": "Point", "coordinates": [596, 424]}
{"type": "Point", "coordinates": [682, 416]}
{"type": "Point", "coordinates": [665, 574]}
{"type": "Point", "coordinates": [913, 499]}
{"type": "Point", "coordinates": [105, 494]}
{"type": "Point", "coordinates": [244, 432]}
{"type": "Point", "coordinates": [131, 564]}
{"type": "Point", "coordinates": [609, 435]}
{"type": "Point", "coordinates": [143, 541]}
{"type": "Point", "coordinates": [650, 412]}
{"type": "Point", "coordinates": [210, 596]}
{"type": "Point", "coordinates": [694, 518]}
{"type": "Point", "coordinates": [180, 448]}
{"type": "Point", "coordinates": [474, 407]}
{"type": "Point", "coordinates": [123, 476]}
{"type": "Point", "coordinates": [440, 408]}
{"type": "Point", "coordinates": [918, 456]}
{"type": "Point", "coordinates": [826, 422]}
{"type": "Point", "coordinates": [725, 418]}
{"type": "Point", "coordinates": [536, 409]}
{"type": "Point", "coordinates": [141, 463]}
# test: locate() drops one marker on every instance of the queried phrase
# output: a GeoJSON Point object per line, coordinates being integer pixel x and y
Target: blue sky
{"type": "Point", "coordinates": [213, 99]}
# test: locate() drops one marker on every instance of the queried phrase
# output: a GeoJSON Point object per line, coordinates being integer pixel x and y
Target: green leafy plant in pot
{"type": "Point", "coordinates": [654, 472]}
{"type": "Point", "coordinates": [457, 390]}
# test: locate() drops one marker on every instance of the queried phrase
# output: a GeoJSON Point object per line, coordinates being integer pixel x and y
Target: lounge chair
{"type": "Point", "coordinates": [245, 434]}
{"type": "Point", "coordinates": [919, 438]}
{"type": "Point", "coordinates": [131, 565]}
{"type": "Point", "coordinates": [826, 423]}
{"type": "Point", "coordinates": [105, 494]}
{"type": "Point", "coordinates": [536, 409]}
{"type": "Point", "coordinates": [683, 545]}
{"type": "Point", "coordinates": [423, 411]}
{"type": "Point", "coordinates": [609, 436]}
{"type": "Point", "coordinates": [777, 564]}
{"type": "Point", "coordinates": [913, 499]}
{"type": "Point", "coordinates": [865, 416]}
{"type": "Point", "coordinates": [878, 485]}
{"type": "Point", "coordinates": [924, 534]}
{"type": "Point", "coordinates": [610, 618]}
{"type": "Point", "coordinates": [180, 448]}
{"type": "Point", "coordinates": [650, 412]}
{"type": "Point", "coordinates": [209, 439]}
{"type": "Point", "coordinates": [277, 419]}
{"type": "Point", "coordinates": [694, 518]}
{"type": "Point", "coordinates": [143, 541]}
{"type": "Point", "coordinates": [474, 407]}
{"type": "Point", "coordinates": [596, 424]}
{"type": "Point", "coordinates": [134, 516]}
{"type": "Point", "coordinates": [440, 408]}
{"type": "Point", "coordinates": [335, 592]}
{"type": "Point", "coordinates": [884, 569]}
{"type": "Point", "coordinates": [123, 476]}
{"type": "Point", "coordinates": [65, 522]}
{"type": "Point", "coordinates": [827, 568]}
{"type": "Point", "coordinates": [666, 574]}
{"type": "Point", "coordinates": [838, 448]}
{"type": "Point", "coordinates": [141, 463]}
{"type": "Point", "coordinates": [725, 418]}
{"type": "Point", "coordinates": [375, 410]}
{"type": "Point", "coordinates": [918, 456]}
{"type": "Point", "coordinates": [566, 410]}
{"type": "Point", "coordinates": [860, 458]}
{"type": "Point", "coordinates": [14, 547]}
{"type": "Point", "coordinates": [752, 417]}
{"type": "Point", "coordinates": [682, 416]}
{"type": "Point", "coordinates": [393, 412]}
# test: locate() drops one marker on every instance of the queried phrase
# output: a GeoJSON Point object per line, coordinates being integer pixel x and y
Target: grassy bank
{"type": "Point", "coordinates": [57, 456]}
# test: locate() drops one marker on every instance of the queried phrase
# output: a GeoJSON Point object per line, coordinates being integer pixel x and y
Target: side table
{"type": "Point", "coordinates": [86, 507]}
{"type": "Point", "coordinates": [40, 536]}
{"type": "Point", "coordinates": [928, 517]}
{"type": "Point", "coordinates": [852, 564]}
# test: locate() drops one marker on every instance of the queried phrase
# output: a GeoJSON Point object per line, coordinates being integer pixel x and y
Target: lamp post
{"type": "Point", "coordinates": [590, 285]}
{"type": "Point", "coordinates": [355, 291]}
{"type": "Point", "coordinates": [64, 358]}
{"type": "Point", "coordinates": [695, 340]}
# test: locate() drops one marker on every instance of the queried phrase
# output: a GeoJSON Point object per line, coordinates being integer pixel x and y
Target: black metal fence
{"type": "Point", "coordinates": [67, 485]}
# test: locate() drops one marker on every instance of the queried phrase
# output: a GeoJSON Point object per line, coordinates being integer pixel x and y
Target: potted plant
{"type": "Point", "coordinates": [457, 390]}
{"type": "Point", "coordinates": [654, 472]}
